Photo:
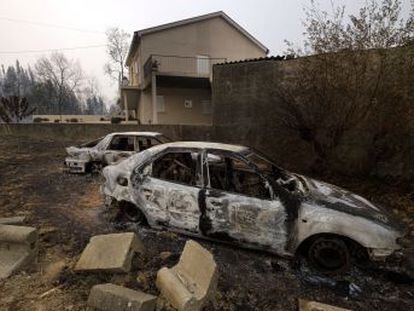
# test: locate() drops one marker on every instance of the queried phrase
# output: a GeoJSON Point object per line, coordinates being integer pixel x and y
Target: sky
{"type": "Point", "coordinates": [82, 23]}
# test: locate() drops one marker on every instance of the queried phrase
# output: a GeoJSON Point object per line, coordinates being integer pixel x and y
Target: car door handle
{"type": "Point", "coordinates": [147, 192]}
{"type": "Point", "coordinates": [215, 203]}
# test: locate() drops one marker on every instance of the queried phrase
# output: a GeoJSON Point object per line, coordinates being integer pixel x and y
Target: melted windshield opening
{"type": "Point", "coordinates": [92, 143]}
{"type": "Point", "coordinates": [163, 139]}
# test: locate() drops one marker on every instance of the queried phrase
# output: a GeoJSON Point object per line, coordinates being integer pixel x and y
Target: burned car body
{"type": "Point", "coordinates": [110, 149]}
{"type": "Point", "coordinates": [233, 194]}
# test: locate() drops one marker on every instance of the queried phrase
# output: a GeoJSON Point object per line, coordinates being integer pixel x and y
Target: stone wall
{"type": "Point", "coordinates": [354, 156]}
{"type": "Point", "coordinates": [244, 112]}
{"type": "Point", "coordinates": [82, 132]}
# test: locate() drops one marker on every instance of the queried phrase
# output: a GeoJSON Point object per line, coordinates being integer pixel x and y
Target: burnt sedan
{"type": "Point", "coordinates": [110, 149]}
{"type": "Point", "coordinates": [234, 194]}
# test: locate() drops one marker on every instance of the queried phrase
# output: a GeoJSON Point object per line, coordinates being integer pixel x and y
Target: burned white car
{"type": "Point", "coordinates": [110, 149]}
{"type": "Point", "coordinates": [234, 194]}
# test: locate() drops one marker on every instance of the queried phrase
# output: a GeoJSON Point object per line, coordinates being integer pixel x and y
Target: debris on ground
{"type": "Point", "coordinates": [53, 271]}
{"type": "Point", "coordinates": [192, 282]}
{"type": "Point", "coordinates": [165, 255]}
{"type": "Point", "coordinates": [110, 253]}
{"type": "Point", "coordinates": [305, 305]}
{"type": "Point", "coordinates": [343, 287]}
{"type": "Point", "coordinates": [112, 297]}
{"type": "Point", "coordinates": [18, 248]}
{"type": "Point", "coordinates": [249, 280]}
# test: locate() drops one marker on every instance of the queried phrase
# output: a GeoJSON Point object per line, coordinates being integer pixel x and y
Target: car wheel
{"type": "Point", "coordinates": [133, 214]}
{"type": "Point", "coordinates": [329, 255]}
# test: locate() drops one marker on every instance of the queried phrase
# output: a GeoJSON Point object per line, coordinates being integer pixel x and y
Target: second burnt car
{"type": "Point", "coordinates": [234, 194]}
{"type": "Point", "coordinates": [110, 149]}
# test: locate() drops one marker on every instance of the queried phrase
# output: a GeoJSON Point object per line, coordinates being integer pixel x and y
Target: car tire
{"type": "Point", "coordinates": [133, 214]}
{"type": "Point", "coordinates": [329, 255]}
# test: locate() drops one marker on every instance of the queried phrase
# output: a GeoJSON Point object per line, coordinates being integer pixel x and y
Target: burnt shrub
{"type": "Point", "coordinates": [116, 120]}
{"type": "Point", "coordinates": [37, 120]}
{"type": "Point", "coordinates": [74, 120]}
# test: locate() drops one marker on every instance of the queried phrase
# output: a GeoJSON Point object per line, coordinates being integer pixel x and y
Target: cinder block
{"type": "Point", "coordinates": [305, 305]}
{"type": "Point", "coordinates": [18, 248]}
{"type": "Point", "coordinates": [117, 298]}
{"type": "Point", "coordinates": [192, 282]}
{"type": "Point", "coordinates": [16, 220]}
{"type": "Point", "coordinates": [110, 252]}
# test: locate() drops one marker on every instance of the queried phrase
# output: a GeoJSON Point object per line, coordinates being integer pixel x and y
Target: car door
{"type": "Point", "coordinates": [119, 147]}
{"type": "Point", "coordinates": [239, 204]}
{"type": "Point", "coordinates": [169, 190]}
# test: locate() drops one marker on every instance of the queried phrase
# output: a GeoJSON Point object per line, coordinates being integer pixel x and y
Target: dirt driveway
{"type": "Point", "coordinates": [68, 210]}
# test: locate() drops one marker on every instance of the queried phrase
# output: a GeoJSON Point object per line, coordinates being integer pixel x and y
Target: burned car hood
{"type": "Point", "coordinates": [79, 153]}
{"type": "Point", "coordinates": [336, 198]}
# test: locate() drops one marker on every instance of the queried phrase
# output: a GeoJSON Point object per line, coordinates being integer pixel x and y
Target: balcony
{"type": "Point", "coordinates": [169, 65]}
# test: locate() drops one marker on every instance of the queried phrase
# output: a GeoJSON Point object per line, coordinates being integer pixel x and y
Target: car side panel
{"type": "Point", "coordinates": [242, 219]}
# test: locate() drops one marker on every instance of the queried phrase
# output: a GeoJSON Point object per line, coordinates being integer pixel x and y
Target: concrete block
{"type": "Point", "coordinates": [305, 305]}
{"type": "Point", "coordinates": [117, 298]}
{"type": "Point", "coordinates": [18, 248]}
{"type": "Point", "coordinates": [16, 220]}
{"type": "Point", "coordinates": [110, 252]}
{"type": "Point", "coordinates": [192, 282]}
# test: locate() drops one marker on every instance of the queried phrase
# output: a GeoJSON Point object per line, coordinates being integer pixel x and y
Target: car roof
{"type": "Point", "coordinates": [205, 145]}
{"type": "Point", "coordinates": [151, 134]}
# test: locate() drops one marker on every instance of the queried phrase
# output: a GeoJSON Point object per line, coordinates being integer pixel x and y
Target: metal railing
{"type": "Point", "coordinates": [181, 65]}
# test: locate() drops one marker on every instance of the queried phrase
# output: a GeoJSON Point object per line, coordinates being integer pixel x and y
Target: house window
{"type": "Point", "coordinates": [160, 104]}
{"type": "Point", "coordinates": [203, 64]}
{"type": "Point", "coordinates": [207, 106]}
{"type": "Point", "coordinates": [188, 103]}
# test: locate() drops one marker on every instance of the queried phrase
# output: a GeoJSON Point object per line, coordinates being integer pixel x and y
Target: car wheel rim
{"type": "Point", "coordinates": [132, 214]}
{"type": "Point", "coordinates": [329, 255]}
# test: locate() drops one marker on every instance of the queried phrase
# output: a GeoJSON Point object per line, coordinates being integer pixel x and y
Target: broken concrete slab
{"type": "Point", "coordinates": [16, 220]}
{"type": "Point", "coordinates": [110, 252]}
{"type": "Point", "coordinates": [306, 305]}
{"type": "Point", "coordinates": [192, 282]}
{"type": "Point", "coordinates": [117, 298]}
{"type": "Point", "coordinates": [18, 248]}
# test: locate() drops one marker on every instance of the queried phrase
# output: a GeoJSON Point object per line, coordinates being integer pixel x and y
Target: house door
{"type": "Point", "coordinates": [203, 65]}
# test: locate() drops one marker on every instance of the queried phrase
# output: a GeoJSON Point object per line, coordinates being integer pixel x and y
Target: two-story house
{"type": "Point", "coordinates": [170, 67]}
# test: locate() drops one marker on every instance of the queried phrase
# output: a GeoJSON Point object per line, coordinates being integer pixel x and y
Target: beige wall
{"type": "Point", "coordinates": [145, 107]}
{"type": "Point", "coordinates": [213, 37]}
{"type": "Point", "coordinates": [176, 113]}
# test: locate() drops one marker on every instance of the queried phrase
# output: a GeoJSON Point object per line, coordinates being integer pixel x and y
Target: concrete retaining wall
{"type": "Point", "coordinates": [81, 132]}
{"type": "Point", "coordinates": [359, 154]}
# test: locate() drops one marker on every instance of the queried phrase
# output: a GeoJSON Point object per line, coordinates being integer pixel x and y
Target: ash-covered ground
{"type": "Point", "coordinates": [68, 210]}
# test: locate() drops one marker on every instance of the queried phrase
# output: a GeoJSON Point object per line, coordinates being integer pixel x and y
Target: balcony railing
{"type": "Point", "coordinates": [181, 65]}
